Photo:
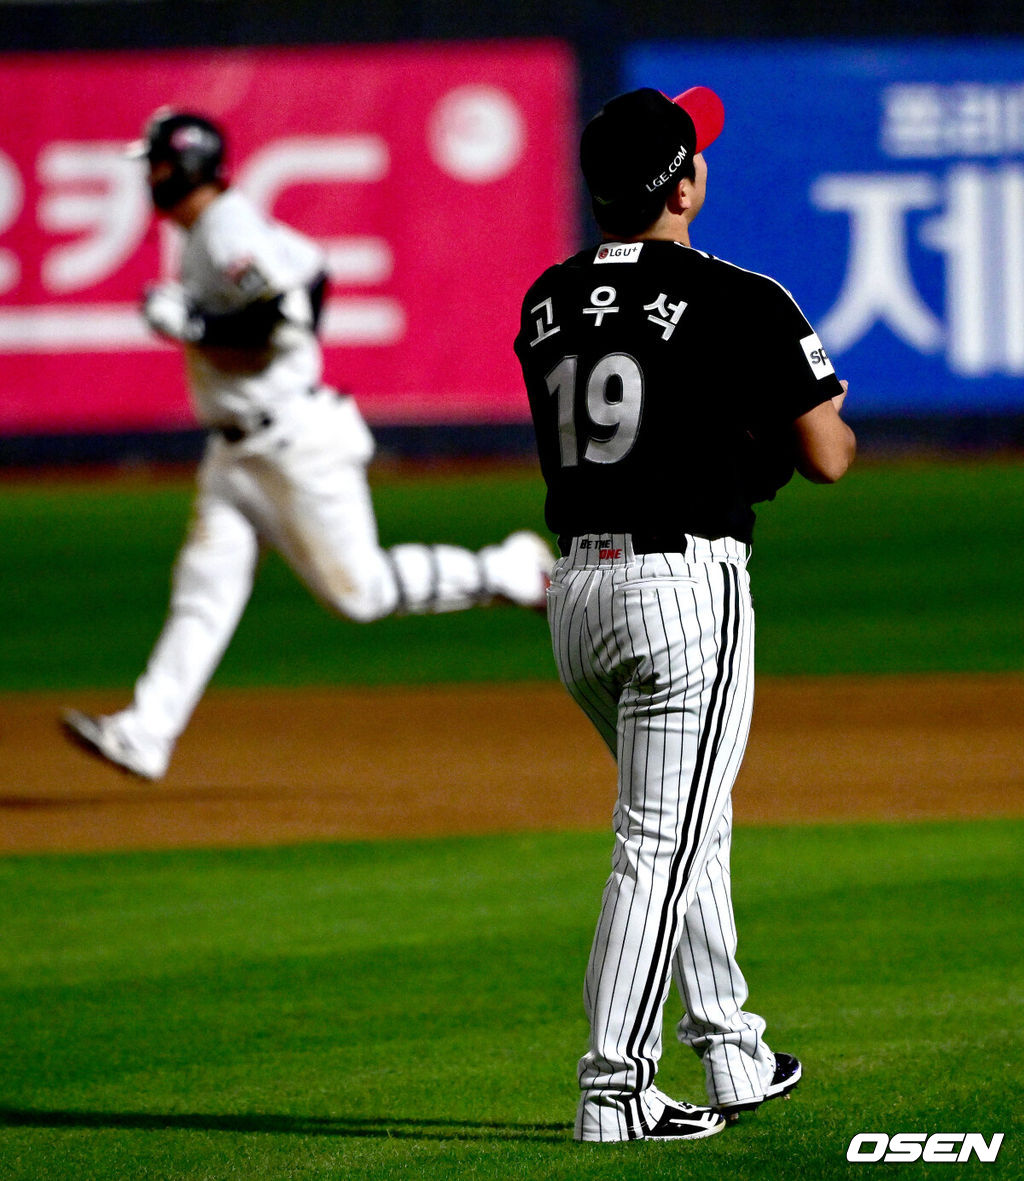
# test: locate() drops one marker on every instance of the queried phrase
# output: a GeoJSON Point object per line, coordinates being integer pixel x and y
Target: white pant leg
{"type": "Point", "coordinates": [324, 526]}
{"type": "Point", "coordinates": [320, 518]}
{"type": "Point", "coordinates": [738, 1064]}
{"type": "Point", "coordinates": [672, 660]}
{"type": "Point", "coordinates": [212, 582]}
{"type": "Point", "coordinates": [574, 600]}
{"type": "Point", "coordinates": [312, 501]}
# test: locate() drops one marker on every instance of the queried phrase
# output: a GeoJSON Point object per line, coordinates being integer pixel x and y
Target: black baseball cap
{"type": "Point", "coordinates": [636, 144]}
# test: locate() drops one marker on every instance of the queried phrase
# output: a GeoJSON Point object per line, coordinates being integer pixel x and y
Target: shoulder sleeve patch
{"type": "Point", "coordinates": [817, 358]}
{"type": "Point", "coordinates": [246, 275]}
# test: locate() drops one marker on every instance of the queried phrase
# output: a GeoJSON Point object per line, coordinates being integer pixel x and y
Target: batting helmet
{"type": "Point", "coordinates": [191, 144]}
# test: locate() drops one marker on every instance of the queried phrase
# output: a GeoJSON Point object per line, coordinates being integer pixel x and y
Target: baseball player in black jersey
{"type": "Point", "coordinates": [670, 392]}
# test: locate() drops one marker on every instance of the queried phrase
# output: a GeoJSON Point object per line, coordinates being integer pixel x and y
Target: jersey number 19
{"type": "Point", "coordinates": [613, 397]}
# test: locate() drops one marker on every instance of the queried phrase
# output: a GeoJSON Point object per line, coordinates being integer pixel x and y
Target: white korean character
{"type": "Point", "coordinates": [977, 119]}
{"type": "Point", "coordinates": [1014, 119]}
{"type": "Point", "coordinates": [95, 192]}
{"type": "Point", "coordinates": [913, 120]}
{"type": "Point", "coordinates": [12, 199]}
{"type": "Point", "coordinates": [601, 300]}
{"type": "Point", "coordinates": [545, 322]}
{"type": "Point", "coordinates": [668, 314]}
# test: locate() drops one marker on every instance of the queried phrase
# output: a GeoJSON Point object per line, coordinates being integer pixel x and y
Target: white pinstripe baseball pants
{"type": "Point", "coordinates": [657, 649]}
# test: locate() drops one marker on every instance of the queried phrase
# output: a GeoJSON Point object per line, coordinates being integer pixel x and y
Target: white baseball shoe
{"type": "Point", "coordinates": [521, 569]}
{"type": "Point", "coordinates": [105, 737]}
{"type": "Point", "coordinates": [620, 1118]}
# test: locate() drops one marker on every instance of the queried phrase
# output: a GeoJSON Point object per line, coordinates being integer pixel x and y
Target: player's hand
{"type": "Point", "coordinates": [167, 310]}
{"type": "Point", "coordinates": [839, 399]}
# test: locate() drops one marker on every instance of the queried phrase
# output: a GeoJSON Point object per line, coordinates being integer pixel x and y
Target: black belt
{"type": "Point", "coordinates": [232, 433]}
{"type": "Point", "coordinates": [672, 541]}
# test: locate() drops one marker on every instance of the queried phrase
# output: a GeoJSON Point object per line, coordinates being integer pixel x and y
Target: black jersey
{"type": "Point", "coordinates": [663, 383]}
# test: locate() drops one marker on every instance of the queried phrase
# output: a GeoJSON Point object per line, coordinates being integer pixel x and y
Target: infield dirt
{"type": "Point", "coordinates": [275, 766]}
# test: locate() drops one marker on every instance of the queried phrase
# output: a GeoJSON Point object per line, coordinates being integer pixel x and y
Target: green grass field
{"type": "Point", "coordinates": [898, 568]}
{"type": "Point", "coordinates": [413, 1009]}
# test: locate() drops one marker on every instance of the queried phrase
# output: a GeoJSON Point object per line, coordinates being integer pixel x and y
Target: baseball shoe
{"type": "Point", "coordinates": [627, 1119]}
{"type": "Point", "coordinates": [105, 738]}
{"type": "Point", "coordinates": [525, 561]}
{"type": "Point", "coordinates": [788, 1073]}
{"type": "Point", "coordinates": [683, 1121]}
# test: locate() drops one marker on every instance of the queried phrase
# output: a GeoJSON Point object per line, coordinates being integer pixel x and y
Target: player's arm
{"type": "Point", "coordinates": [825, 444]}
{"type": "Point", "coordinates": [168, 309]}
{"type": "Point", "coordinates": [252, 325]}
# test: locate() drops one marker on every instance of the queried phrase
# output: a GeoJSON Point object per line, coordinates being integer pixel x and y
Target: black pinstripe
{"type": "Point", "coordinates": [402, 602]}
{"type": "Point", "coordinates": [485, 589]}
{"type": "Point", "coordinates": [649, 1008]}
{"type": "Point", "coordinates": [670, 693]}
{"type": "Point", "coordinates": [434, 593]}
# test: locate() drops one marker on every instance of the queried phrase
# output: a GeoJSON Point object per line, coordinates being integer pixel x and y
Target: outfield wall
{"type": "Point", "coordinates": [897, 211]}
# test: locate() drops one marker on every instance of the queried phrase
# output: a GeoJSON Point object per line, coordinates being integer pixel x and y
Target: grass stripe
{"type": "Point", "coordinates": [413, 1008]}
{"type": "Point", "coordinates": [899, 568]}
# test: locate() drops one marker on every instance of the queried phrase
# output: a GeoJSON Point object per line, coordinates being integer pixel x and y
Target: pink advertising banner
{"type": "Point", "coordinates": [440, 180]}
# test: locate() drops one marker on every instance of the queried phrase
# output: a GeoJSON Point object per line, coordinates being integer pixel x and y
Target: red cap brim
{"type": "Point", "coordinates": [707, 112]}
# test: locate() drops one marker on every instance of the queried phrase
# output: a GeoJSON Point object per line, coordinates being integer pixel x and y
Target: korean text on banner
{"type": "Point", "coordinates": [439, 179]}
{"type": "Point", "coordinates": [883, 182]}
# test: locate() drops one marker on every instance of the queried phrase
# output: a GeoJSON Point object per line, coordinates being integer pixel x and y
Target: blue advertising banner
{"type": "Point", "coordinates": [883, 184]}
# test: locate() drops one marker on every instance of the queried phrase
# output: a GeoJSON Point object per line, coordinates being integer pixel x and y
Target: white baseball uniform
{"type": "Point", "coordinates": [284, 467]}
{"type": "Point", "coordinates": [657, 649]}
